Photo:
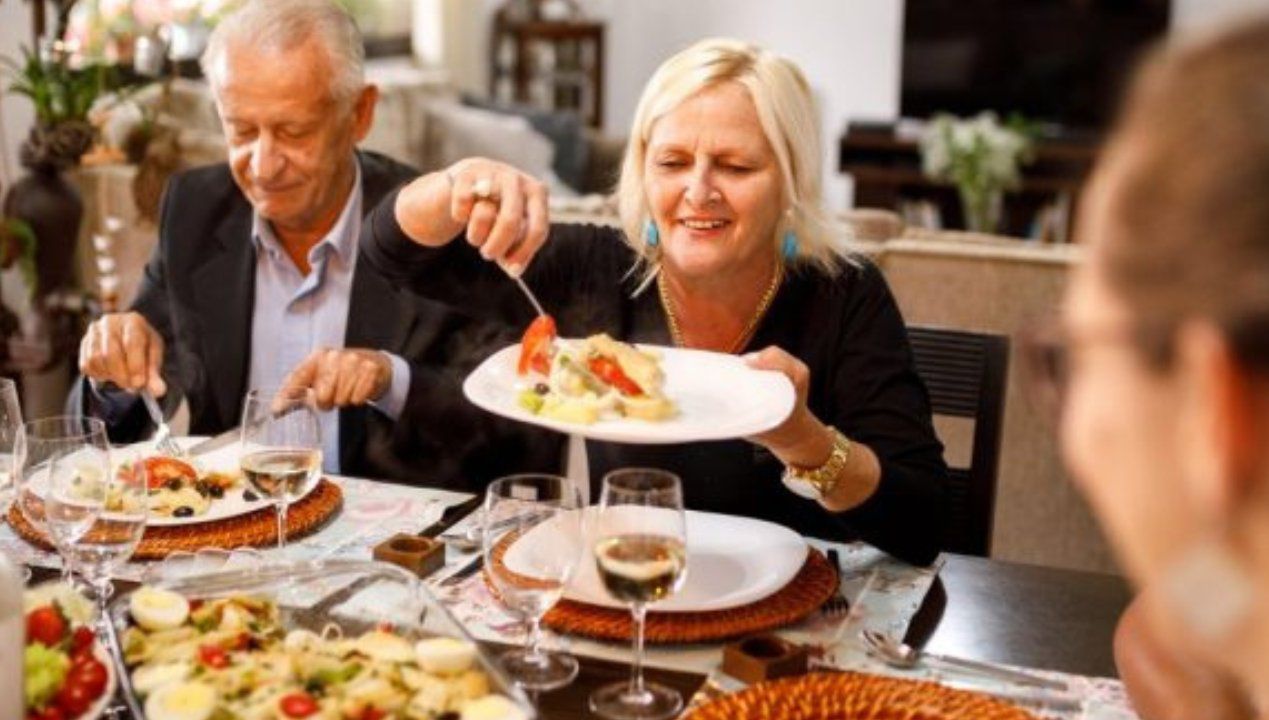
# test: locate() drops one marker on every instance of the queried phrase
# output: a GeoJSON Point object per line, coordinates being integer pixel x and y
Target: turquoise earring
{"type": "Point", "coordinates": [651, 234]}
{"type": "Point", "coordinates": [789, 246]}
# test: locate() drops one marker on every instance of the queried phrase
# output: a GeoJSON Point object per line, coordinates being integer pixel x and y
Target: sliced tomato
{"type": "Point", "coordinates": [609, 371]}
{"type": "Point", "coordinates": [535, 346]}
{"type": "Point", "coordinates": [213, 656]}
{"type": "Point", "coordinates": [158, 470]}
{"type": "Point", "coordinates": [298, 705]}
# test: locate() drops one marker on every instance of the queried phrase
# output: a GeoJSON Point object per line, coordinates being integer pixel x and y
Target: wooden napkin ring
{"type": "Point", "coordinates": [421, 556]}
{"type": "Point", "coordinates": [764, 657]}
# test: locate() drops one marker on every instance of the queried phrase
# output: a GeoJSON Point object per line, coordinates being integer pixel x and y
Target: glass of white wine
{"type": "Point", "coordinates": [532, 541]}
{"type": "Point", "coordinates": [640, 536]}
{"type": "Point", "coordinates": [281, 446]}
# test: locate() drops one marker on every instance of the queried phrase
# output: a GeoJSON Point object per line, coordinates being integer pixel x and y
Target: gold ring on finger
{"type": "Point", "coordinates": [482, 189]}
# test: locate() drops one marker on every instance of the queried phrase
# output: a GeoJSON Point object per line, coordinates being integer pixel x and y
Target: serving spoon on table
{"type": "Point", "coordinates": [901, 655]}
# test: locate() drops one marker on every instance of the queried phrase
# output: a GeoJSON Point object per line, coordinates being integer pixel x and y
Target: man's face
{"type": "Point", "coordinates": [290, 142]}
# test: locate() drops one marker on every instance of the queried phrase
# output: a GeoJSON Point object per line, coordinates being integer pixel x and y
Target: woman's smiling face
{"type": "Point", "coordinates": [713, 184]}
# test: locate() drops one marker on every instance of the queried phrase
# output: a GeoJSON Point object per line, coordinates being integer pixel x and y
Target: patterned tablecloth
{"type": "Point", "coordinates": [884, 593]}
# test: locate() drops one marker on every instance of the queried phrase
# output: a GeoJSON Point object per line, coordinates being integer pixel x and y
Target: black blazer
{"type": "Point", "coordinates": [198, 292]}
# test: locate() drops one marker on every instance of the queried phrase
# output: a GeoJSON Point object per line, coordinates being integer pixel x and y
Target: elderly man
{"type": "Point", "coordinates": [256, 282]}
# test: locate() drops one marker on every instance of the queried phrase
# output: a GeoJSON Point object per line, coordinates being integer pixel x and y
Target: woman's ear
{"type": "Point", "coordinates": [1224, 420]}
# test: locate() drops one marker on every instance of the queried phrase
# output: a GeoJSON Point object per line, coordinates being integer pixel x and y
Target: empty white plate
{"type": "Point", "coordinates": [731, 561]}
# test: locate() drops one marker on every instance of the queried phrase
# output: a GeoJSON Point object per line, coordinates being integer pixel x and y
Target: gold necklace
{"type": "Point", "coordinates": [676, 332]}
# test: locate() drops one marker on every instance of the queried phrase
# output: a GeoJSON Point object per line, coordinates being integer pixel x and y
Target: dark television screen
{"type": "Point", "coordinates": [1056, 61]}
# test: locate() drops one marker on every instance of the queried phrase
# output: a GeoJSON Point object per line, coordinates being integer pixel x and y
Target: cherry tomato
{"type": "Point", "coordinates": [45, 625]}
{"type": "Point", "coordinates": [298, 705]}
{"type": "Point", "coordinates": [74, 699]}
{"type": "Point", "coordinates": [52, 712]}
{"type": "Point", "coordinates": [372, 713]}
{"type": "Point", "coordinates": [81, 640]}
{"type": "Point", "coordinates": [609, 371]}
{"type": "Point", "coordinates": [158, 470]}
{"type": "Point", "coordinates": [213, 656]}
{"type": "Point", "coordinates": [91, 674]}
{"type": "Point", "coordinates": [535, 346]}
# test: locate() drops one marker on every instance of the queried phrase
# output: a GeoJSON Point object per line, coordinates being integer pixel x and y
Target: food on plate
{"type": "Point", "coordinates": [232, 657]}
{"type": "Point", "coordinates": [176, 488]}
{"type": "Point", "coordinates": [63, 673]}
{"type": "Point", "coordinates": [582, 381]}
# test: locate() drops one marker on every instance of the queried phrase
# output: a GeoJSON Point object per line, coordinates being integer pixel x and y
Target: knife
{"type": "Point", "coordinates": [215, 442]}
{"type": "Point", "coordinates": [451, 515]}
{"type": "Point", "coordinates": [465, 571]}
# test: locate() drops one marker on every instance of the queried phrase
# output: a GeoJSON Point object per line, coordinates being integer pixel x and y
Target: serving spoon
{"type": "Point", "coordinates": [902, 655]}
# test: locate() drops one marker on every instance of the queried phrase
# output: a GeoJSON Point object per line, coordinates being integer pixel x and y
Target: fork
{"type": "Point", "coordinates": [163, 433]}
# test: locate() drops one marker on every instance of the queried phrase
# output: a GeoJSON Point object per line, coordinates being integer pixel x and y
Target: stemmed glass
{"type": "Point", "coordinates": [281, 446]}
{"type": "Point", "coordinates": [52, 455]}
{"type": "Point", "coordinates": [532, 542]}
{"type": "Point", "coordinates": [10, 428]}
{"type": "Point", "coordinates": [98, 515]}
{"type": "Point", "coordinates": [640, 538]}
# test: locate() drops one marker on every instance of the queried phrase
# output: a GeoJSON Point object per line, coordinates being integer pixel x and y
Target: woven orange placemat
{"type": "Point", "coordinates": [814, 584]}
{"type": "Point", "coordinates": [257, 528]}
{"type": "Point", "coordinates": [854, 696]}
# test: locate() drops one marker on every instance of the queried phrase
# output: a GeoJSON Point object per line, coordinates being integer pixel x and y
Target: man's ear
{"type": "Point", "coordinates": [1225, 420]}
{"type": "Point", "coordinates": [364, 111]}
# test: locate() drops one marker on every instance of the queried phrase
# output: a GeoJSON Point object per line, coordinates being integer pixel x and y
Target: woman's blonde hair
{"type": "Point", "coordinates": [786, 110]}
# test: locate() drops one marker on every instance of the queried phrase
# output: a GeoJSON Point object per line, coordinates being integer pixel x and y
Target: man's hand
{"type": "Point", "coordinates": [123, 348]}
{"type": "Point", "coordinates": [343, 377]}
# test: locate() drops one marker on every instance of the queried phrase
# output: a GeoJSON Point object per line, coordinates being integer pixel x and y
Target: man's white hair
{"type": "Point", "coordinates": [281, 25]}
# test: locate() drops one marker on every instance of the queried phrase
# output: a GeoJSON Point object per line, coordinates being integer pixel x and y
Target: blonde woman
{"type": "Point", "coordinates": [724, 247]}
{"type": "Point", "coordinates": [1166, 423]}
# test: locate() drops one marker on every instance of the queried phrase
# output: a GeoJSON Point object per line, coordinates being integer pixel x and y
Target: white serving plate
{"type": "Point", "coordinates": [719, 397]}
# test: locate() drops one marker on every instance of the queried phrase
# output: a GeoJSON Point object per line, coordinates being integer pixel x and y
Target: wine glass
{"type": "Point", "coordinates": [640, 538]}
{"type": "Point", "coordinates": [100, 516]}
{"type": "Point", "coordinates": [281, 446]}
{"type": "Point", "coordinates": [51, 455]}
{"type": "Point", "coordinates": [532, 542]}
{"type": "Point", "coordinates": [10, 427]}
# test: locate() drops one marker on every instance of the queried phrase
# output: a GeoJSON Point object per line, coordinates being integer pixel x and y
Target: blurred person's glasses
{"type": "Point", "coordinates": [1047, 347]}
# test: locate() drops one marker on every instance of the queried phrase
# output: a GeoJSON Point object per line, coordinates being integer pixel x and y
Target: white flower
{"type": "Point", "coordinates": [977, 154]}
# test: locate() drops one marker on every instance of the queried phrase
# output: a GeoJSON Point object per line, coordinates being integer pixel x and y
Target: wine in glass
{"type": "Point", "coordinates": [532, 541]}
{"type": "Point", "coordinates": [640, 543]}
{"type": "Point", "coordinates": [281, 446]}
{"type": "Point", "coordinates": [62, 465]}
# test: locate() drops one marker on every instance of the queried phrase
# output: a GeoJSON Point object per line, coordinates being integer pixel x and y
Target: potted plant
{"type": "Point", "coordinates": [981, 157]}
{"type": "Point", "coordinates": [50, 206]}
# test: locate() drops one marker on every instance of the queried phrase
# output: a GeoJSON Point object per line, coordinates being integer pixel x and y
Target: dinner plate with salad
{"type": "Point", "coordinates": [601, 388]}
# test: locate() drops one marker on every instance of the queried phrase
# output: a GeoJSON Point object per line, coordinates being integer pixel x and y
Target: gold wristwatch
{"type": "Point", "coordinates": [815, 483]}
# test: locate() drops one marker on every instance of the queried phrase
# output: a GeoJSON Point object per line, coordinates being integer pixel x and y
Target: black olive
{"type": "Point", "coordinates": [249, 496]}
{"type": "Point", "coordinates": [173, 484]}
{"type": "Point", "coordinates": [541, 388]}
{"type": "Point", "coordinates": [183, 511]}
{"type": "Point", "coordinates": [215, 491]}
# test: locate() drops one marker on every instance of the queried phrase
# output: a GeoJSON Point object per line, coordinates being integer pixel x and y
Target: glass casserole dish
{"type": "Point", "coordinates": [229, 636]}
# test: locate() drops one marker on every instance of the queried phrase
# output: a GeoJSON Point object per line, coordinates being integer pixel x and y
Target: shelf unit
{"type": "Point", "coordinates": [548, 64]}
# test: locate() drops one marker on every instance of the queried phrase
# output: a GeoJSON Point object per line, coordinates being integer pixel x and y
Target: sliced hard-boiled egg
{"type": "Point", "coordinates": [181, 701]}
{"type": "Point", "coordinates": [300, 639]}
{"type": "Point", "coordinates": [492, 707]}
{"type": "Point", "coordinates": [149, 678]}
{"type": "Point", "coordinates": [384, 646]}
{"type": "Point", "coordinates": [155, 609]}
{"type": "Point", "coordinates": [444, 655]}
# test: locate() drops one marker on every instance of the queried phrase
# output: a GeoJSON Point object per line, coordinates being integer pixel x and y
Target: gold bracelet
{"type": "Point", "coordinates": [817, 483]}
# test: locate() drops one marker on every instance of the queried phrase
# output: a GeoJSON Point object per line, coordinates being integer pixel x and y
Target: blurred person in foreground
{"type": "Point", "coordinates": [1166, 404]}
{"type": "Point", "coordinates": [256, 280]}
{"type": "Point", "coordinates": [724, 246]}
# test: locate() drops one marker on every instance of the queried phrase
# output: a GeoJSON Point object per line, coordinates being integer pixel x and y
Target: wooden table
{"type": "Point", "coordinates": [981, 609]}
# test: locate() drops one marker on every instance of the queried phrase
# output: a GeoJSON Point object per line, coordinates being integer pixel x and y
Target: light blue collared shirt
{"type": "Point", "coordinates": [297, 314]}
